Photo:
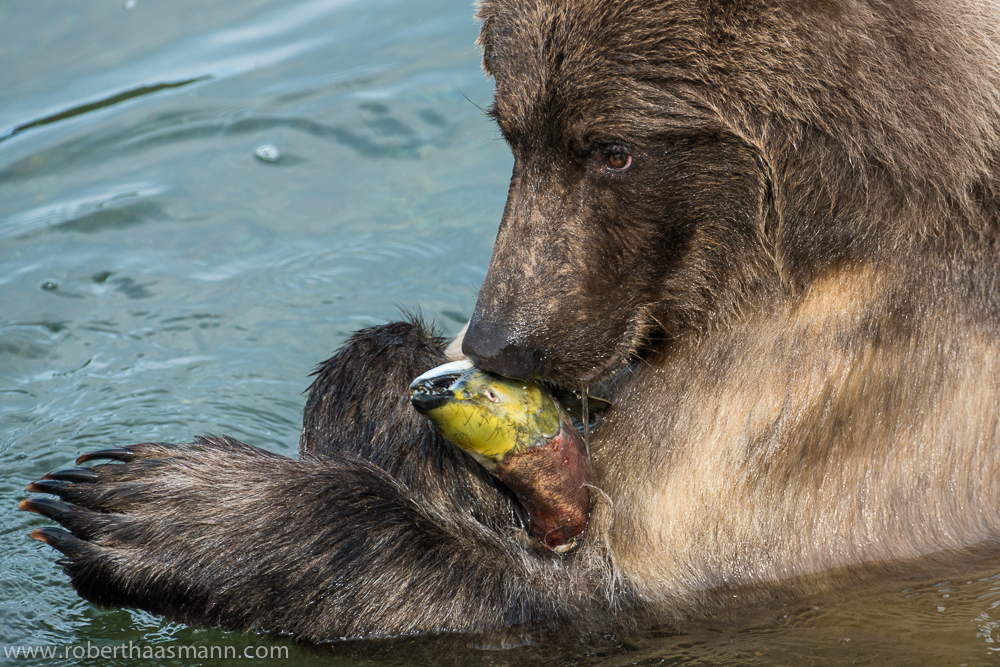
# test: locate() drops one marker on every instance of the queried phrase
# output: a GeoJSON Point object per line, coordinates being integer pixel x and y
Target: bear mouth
{"type": "Point", "coordinates": [636, 339]}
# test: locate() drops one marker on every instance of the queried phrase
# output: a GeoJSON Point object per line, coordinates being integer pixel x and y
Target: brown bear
{"type": "Point", "coordinates": [766, 230]}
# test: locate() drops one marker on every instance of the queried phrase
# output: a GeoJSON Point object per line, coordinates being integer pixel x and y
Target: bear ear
{"type": "Point", "coordinates": [485, 9]}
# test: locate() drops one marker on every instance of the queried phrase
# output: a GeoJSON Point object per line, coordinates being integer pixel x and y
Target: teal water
{"type": "Point", "coordinates": [159, 280]}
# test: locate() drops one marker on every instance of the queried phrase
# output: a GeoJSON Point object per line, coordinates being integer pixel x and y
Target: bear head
{"type": "Point", "coordinates": [677, 162]}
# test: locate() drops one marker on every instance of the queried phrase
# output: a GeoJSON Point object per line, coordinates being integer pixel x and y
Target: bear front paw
{"type": "Point", "coordinates": [92, 498]}
{"type": "Point", "coordinates": [134, 527]}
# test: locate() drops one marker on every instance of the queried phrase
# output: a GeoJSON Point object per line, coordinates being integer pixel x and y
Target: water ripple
{"type": "Point", "coordinates": [221, 54]}
{"type": "Point", "coordinates": [122, 197]}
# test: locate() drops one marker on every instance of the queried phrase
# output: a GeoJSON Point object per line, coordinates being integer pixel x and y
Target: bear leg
{"type": "Point", "coordinates": [359, 405]}
{"type": "Point", "coordinates": [218, 533]}
{"type": "Point", "coordinates": [361, 540]}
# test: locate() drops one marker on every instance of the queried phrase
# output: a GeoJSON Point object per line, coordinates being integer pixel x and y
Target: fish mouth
{"type": "Point", "coordinates": [426, 401]}
{"type": "Point", "coordinates": [435, 388]}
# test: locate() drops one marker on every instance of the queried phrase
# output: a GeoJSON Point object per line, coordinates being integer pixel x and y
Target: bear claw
{"type": "Point", "coordinates": [57, 538]}
{"type": "Point", "coordinates": [52, 486]}
{"type": "Point", "coordinates": [112, 453]}
{"type": "Point", "coordinates": [53, 509]}
{"type": "Point", "coordinates": [78, 475]}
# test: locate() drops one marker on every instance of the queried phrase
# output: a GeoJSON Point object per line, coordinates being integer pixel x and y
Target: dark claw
{"type": "Point", "coordinates": [57, 538]}
{"type": "Point", "coordinates": [113, 453]}
{"type": "Point", "coordinates": [80, 475]}
{"type": "Point", "coordinates": [53, 509]}
{"type": "Point", "coordinates": [47, 486]}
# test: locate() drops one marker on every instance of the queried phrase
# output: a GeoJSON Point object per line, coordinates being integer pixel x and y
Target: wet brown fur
{"type": "Point", "coordinates": [804, 252]}
{"type": "Point", "coordinates": [790, 297]}
{"type": "Point", "coordinates": [775, 144]}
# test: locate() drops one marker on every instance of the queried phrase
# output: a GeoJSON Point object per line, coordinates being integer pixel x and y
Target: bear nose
{"type": "Point", "coordinates": [491, 347]}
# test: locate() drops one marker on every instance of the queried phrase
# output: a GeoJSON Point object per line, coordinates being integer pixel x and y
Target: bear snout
{"type": "Point", "coordinates": [495, 348]}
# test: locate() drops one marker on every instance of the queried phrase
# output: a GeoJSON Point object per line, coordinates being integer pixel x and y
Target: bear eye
{"type": "Point", "coordinates": [618, 159]}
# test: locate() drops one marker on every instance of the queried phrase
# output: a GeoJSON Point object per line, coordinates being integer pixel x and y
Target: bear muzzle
{"type": "Point", "coordinates": [497, 349]}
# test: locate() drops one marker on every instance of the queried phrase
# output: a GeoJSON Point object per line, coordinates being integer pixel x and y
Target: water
{"type": "Point", "coordinates": [164, 274]}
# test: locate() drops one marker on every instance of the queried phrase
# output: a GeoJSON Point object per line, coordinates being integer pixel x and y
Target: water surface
{"type": "Point", "coordinates": [159, 280]}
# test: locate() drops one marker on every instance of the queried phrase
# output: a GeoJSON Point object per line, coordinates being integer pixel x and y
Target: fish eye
{"type": "Point", "coordinates": [492, 396]}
